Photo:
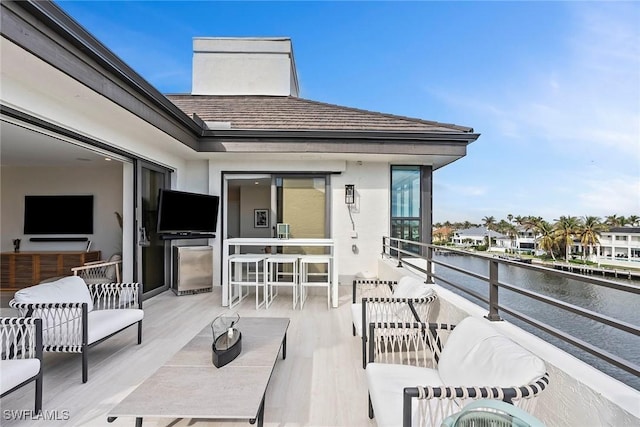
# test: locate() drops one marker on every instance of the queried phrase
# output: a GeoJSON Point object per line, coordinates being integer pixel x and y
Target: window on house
{"type": "Point", "coordinates": [405, 202]}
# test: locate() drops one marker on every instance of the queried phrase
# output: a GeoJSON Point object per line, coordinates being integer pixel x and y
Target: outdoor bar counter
{"type": "Point", "coordinates": [238, 243]}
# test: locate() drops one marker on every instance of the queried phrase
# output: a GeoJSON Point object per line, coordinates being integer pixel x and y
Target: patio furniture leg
{"type": "Point", "coordinates": [140, 332]}
{"type": "Point", "coordinates": [38, 406]}
{"type": "Point", "coordinates": [260, 417]}
{"type": "Point", "coordinates": [364, 351]}
{"type": "Point", "coordinates": [139, 422]}
{"type": "Point", "coordinates": [85, 363]}
{"type": "Point", "coordinates": [370, 408]}
{"type": "Point", "coordinates": [284, 347]}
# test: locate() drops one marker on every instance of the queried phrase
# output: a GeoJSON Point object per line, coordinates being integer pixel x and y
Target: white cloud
{"type": "Point", "coordinates": [603, 197]}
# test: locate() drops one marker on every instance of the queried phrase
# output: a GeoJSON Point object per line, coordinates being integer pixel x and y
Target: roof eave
{"type": "Point", "coordinates": [361, 135]}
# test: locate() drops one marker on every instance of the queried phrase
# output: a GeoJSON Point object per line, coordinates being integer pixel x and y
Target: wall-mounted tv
{"type": "Point", "coordinates": [58, 214]}
{"type": "Point", "coordinates": [183, 213]}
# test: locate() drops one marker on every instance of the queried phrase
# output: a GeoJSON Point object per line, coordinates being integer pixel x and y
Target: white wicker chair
{"type": "Point", "coordinates": [100, 271]}
{"type": "Point", "coordinates": [76, 316]}
{"type": "Point", "coordinates": [376, 301]}
{"type": "Point", "coordinates": [422, 373]}
{"type": "Point", "coordinates": [21, 346]}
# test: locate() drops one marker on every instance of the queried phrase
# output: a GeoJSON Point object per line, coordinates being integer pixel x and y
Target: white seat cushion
{"type": "Point", "coordinates": [246, 258]}
{"type": "Point", "coordinates": [386, 383]}
{"type": "Point", "coordinates": [476, 354]}
{"type": "Point", "coordinates": [66, 289]}
{"type": "Point", "coordinates": [17, 371]}
{"type": "Point", "coordinates": [103, 323]}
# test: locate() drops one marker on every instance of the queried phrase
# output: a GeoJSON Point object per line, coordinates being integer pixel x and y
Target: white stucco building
{"type": "Point", "coordinates": [244, 133]}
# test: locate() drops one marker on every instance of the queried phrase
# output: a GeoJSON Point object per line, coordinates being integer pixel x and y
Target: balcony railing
{"type": "Point", "coordinates": [403, 250]}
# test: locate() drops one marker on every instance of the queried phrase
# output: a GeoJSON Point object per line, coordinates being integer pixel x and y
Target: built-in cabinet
{"type": "Point", "coordinates": [23, 269]}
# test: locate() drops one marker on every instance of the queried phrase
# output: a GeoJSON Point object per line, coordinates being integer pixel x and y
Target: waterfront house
{"type": "Point", "coordinates": [620, 246]}
{"type": "Point", "coordinates": [475, 236]}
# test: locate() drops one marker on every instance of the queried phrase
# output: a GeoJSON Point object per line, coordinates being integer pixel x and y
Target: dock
{"type": "Point", "coordinates": [597, 271]}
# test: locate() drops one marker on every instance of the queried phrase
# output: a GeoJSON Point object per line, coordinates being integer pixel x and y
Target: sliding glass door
{"type": "Point", "coordinates": [298, 200]}
{"type": "Point", "coordinates": [152, 252]}
{"type": "Point", "coordinates": [302, 203]}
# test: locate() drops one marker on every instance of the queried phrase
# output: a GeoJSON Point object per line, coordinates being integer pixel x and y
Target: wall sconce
{"type": "Point", "coordinates": [349, 194]}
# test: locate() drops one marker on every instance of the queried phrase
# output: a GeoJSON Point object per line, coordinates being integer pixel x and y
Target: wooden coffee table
{"type": "Point", "coordinates": [190, 386]}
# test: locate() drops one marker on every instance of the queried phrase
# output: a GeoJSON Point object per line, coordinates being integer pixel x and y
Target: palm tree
{"type": "Point", "coordinates": [616, 221]}
{"type": "Point", "coordinates": [512, 231]}
{"type": "Point", "coordinates": [566, 227]}
{"type": "Point", "coordinates": [489, 221]}
{"type": "Point", "coordinates": [633, 220]}
{"type": "Point", "coordinates": [547, 240]}
{"type": "Point", "coordinates": [530, 223]}
{"type": "Point", "coordinates": [590, 231]}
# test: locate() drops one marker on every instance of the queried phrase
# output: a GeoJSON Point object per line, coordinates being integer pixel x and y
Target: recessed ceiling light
{"type": "Point", "coordinates": [257, 182]}
{"type": "Point", "coordinates": [107, 159]}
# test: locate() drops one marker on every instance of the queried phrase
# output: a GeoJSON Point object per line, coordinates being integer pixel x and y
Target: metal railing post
{"type": "Point", "coordinates": [493, 291]}
{"type": "Point", "coordinates": [399, 246]}
{"type": "Point", "coordinates": [430, 265]}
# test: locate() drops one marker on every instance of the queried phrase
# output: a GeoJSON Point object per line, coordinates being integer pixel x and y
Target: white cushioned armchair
{"type": "Point", "coordinates": [430, 371]}
{"type": "Point", "coordinates": [76, 316]}
{"type": "Point", "coordinates": [374, 301]}
{"type": "Point", "coordinates": [21, 346]}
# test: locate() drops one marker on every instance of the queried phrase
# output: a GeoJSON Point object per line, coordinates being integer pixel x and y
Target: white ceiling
{"type": "Point", "coordinates": [20, 146]}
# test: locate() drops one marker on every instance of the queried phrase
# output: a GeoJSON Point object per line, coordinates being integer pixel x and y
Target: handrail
{"type": "Point", "coordinates": [395, 248]}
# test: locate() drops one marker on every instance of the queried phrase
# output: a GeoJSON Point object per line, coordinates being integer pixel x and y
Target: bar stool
{"type": "Point", "coordinates": [282, 270]}
{"type": "Point", "coordinates": [310, 278]}
{"type": "Point", "coordinates": [246, 270]}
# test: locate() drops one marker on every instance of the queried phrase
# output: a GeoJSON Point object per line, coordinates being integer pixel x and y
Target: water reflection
{"type": "Point", "coordinates": [610, 302]}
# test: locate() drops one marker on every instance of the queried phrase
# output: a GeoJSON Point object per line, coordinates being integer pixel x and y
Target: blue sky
{"type": "Point", "coordinates": [553, 87]}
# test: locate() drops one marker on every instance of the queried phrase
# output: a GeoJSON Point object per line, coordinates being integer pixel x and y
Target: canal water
{"type": "Point", "coordinates": [610, 302]}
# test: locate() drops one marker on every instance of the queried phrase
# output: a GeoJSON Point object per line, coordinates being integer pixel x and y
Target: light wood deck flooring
{"type": "Point", "coordinates": [321, 382]}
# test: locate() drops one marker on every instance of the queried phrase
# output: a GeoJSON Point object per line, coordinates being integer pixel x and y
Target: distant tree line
{"type": "Point", "coordinates": [555, 238]}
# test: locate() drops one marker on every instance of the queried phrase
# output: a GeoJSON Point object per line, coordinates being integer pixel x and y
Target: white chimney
{"type": "Point", "coordinates": [243, 66]}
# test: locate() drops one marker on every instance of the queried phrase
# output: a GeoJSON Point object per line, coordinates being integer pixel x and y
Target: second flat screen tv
{"type": "Point", "coordinates": [180, 212]}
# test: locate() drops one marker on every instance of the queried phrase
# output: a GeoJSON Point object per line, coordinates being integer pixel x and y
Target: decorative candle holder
{"type": "Point", "coordinates": [227, 339]}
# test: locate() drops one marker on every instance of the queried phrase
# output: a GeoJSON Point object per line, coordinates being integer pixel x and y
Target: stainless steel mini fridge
{"type": "Point", "coordinates": [192, 269]}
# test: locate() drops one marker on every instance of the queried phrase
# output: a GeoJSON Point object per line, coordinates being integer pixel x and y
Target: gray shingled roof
{"type": "Point", "coordinates": [291, 113]}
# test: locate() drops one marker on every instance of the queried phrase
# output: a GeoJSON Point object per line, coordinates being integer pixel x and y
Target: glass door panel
{"type": "Point", "coordinates": [301, 203]}
{"type": "Point", "coordinates": [152, 268]}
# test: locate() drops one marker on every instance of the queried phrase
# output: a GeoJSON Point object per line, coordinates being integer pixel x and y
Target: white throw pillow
{"type": "Point", "coordinates": [66, 289]}
{"type": "Point", "coordinates": [476, 354]}
{"type": "Point", "coordinates": [409, 287]}
{"type": "Point", "coordinates": [110, 271]}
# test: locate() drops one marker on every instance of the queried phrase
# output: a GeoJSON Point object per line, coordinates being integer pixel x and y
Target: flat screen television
{"type": "Point", "coordinates": [183, 213]}
{"type": "Point", "coordinates": [58, 214]}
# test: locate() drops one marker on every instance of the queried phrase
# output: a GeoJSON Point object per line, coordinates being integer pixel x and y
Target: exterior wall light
{"type": "Point", "coordinates": [349, 194]}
